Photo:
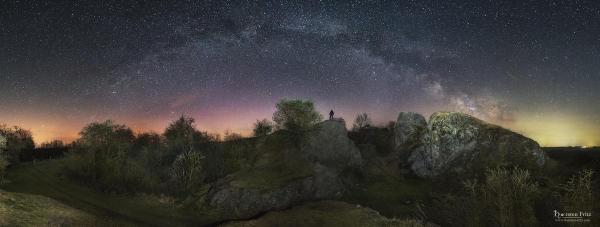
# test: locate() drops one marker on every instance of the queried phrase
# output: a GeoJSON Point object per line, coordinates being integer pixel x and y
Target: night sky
{"type": "Point", "coordinates": [531, 66]}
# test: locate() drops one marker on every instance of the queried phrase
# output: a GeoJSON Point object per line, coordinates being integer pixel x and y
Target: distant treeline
{"type": "Point", "coordinates": [48, 153]}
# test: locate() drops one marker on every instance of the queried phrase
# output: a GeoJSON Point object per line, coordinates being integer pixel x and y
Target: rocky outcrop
{"type": "Point", "coordinates": [456, 142]}
{"type": "Point", "coordinates": [282, 178]}
{"type": "Point", "coordinates": [408, 130]}
{"type": "Point", "coordinates": [236, 201]}
{"type": "Point", "coordinates": [330, 146]}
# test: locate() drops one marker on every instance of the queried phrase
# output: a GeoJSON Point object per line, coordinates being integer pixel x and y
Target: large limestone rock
{"type": "Point", "coordinates": [284, 177]}
{"type": "Point", "coordinates": [457, 142]}
{"type": "Point", "coordinates": [330, 146]}
{"type": "Point", "coordinates": [408, 130]}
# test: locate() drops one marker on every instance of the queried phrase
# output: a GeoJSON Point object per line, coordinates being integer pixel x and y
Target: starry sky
{"type": "Point", "coordinates": [530, 66]}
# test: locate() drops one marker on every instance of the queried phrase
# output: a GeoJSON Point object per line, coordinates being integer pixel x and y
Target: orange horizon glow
{"type": "Point", "coordinates": [548, 131]}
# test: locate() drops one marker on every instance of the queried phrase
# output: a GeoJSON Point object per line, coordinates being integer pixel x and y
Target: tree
{"type": "Point", "coordinates": [148, 148]}
{"type": "Point", "coordinates": [231, 136]}
{"type": "Point", "coordinates": [362, 121]}
{"type": "Point", "coordinates": [3, 158]}
{"type": "Point", "coordinates": [262, 127]}
{"type": "Point", "coordinates": [188, 147]}
{"type": "Point", "coordinates": [181, 136]}
{"type": "Point", "coordinates": [53, 144]}
{"type": "Point", "coordinates": [296, 115]}
{"type": "Point", "coordinates": [105, 133]}
{"type": "Point", "coordinates": [103, 158]}
{"type": "Point", "coordinates": [19, 144]}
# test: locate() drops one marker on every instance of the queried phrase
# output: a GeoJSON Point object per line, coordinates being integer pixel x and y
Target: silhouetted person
{"type": "Point", "coordinates": [331, 113]}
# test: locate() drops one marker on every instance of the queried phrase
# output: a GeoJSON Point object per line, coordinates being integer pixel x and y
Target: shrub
{"type": "Point", "coordinates": [102, 157]}
{"type": "Point", "coordinates": [3, 166]}
{"type": "Point", "coordinates": [577, 193]}
{"type": "Point", "coordinates": [3, 158]}
{"type": "Point", "coordinates": [109, 157]}
{"type": "Point", "coordinates": [18, 144]}
{"type": "Point", "coordinates": [187, 171]}
{"type": "Point", "coordinates": [505, 198]}
{"type": "Point", "coordinates": [184, 142]}
{"type": "Point", "coordinates": [262, 127]}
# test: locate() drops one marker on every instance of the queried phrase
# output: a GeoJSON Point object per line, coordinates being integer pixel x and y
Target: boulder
{"type": "Point", "coordinates": [408, 130]}
{"type": "Point", "coordinates": [286, 176]}
{"type": "Point", "coordinates": [456, 142]}
{"type": "Point", "coordinates": [330, 146]}
{"type": "Point", "coordinates": [239, 201]}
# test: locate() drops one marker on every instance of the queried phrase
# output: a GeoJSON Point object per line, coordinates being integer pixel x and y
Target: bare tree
{"type": "Point", "coordinates": [362, 121]}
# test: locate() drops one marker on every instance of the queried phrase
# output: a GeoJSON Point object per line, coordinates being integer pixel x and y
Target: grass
{"type": "Point", "coordinates": [17, 209]}
{"type": "Point", "coordinates": [44, 178]}
{"type": "Point", "coordinates": [324, 213]}
{"type": "Point", "coordinates": [392, 196]}
{"type": "Point", "coordinates": [271, 163]}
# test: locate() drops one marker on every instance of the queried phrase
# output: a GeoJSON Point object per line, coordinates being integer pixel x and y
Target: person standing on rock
{"type": "Point", "coordinates": [331, 115]}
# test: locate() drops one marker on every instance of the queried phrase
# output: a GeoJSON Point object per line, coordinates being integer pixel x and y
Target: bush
{"type": "Point", "coordinates": [102, 156]}
{"type": "Point", "coordinates": [505, 198]}
{"type": "Point", "coordinates": [187, 171]}
{"type": "Point", "coordinates": [577, 194]}
{"type": "Point", "coordinates": [3, 158]}
{"type": "Point", "coordinates": [262, 127]}
{"type": "Point", "coordinates": [184, 141]}
{"type": "Point", "coordinates": [18, 144]}
{"type": "Point", "coordinates": [3, 167]}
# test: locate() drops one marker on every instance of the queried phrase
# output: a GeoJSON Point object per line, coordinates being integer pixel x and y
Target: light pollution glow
{"type": "Point", "coordinates": [550, 131]}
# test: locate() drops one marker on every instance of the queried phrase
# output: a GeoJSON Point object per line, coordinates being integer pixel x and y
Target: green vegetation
{"type": "Point", "coordinates": [262, 128]}
{"type": "Point", "coordinates": [266, 162]}
{"type": "Point", "coordinates": [391, 196]}
{"type": "Point", "coordinates": [231, 136]}
{"type": "Point", "coordinates": [577, 194]}
{"type": "Point", "coordinates": [326, 213]}
{"type": "Point", "coordinates": [45, 178]}
{"type": "Point", "coordinates": [16, 144]}
{"type": "Point", "coordinates": [17, 209]}
{"type": "Point", "coordinates": [296, 115]}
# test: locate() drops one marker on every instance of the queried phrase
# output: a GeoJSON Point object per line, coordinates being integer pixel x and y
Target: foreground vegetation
{"type": "Point", "coordinates": [327, 213]}
{"type": "Point", "coordinates": [18, 209]}
{"type": "Point", "coordinates": [45, 178]}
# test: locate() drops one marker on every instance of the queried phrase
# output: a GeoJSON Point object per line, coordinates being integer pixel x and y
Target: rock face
{"type": "Point", "coordinates": [457, 142]}
{"type": "Point", "coordinates": [245, 202]}
{"type": "Point", "coordinates": [330, 146]}
{"type": "Point", "coordinates": [282, 178]}
{"type": "Point", "coordinates": [408, 130]}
